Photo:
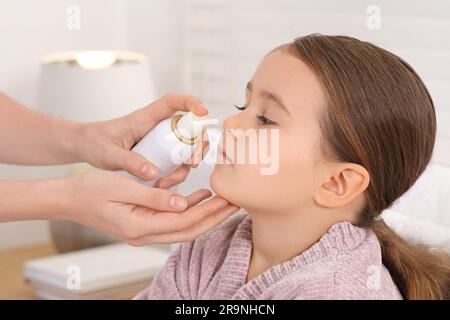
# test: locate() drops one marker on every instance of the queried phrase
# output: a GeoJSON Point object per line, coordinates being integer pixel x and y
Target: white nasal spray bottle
{"type": "Point", "coordinates": [171, 143]}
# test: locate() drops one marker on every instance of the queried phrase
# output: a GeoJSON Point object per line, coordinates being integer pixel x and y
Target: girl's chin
{"type": "Point", "coordinates": [226, 188]}
{"type": "Point", "coordinates": [215, 181]}
{"type": "Point", "coordinates": [221, 183]}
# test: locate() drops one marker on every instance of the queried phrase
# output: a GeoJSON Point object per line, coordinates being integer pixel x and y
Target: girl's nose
{"type": "Point", "coordinates": [237, 127]}
{"type": "Point", "coordinates": [237, 121]}
{"type": "Point", "coordinates": [230, 123]}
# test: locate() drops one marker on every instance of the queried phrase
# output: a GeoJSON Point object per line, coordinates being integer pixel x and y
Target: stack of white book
{"type": "Point", "coordinates": [116, 271]}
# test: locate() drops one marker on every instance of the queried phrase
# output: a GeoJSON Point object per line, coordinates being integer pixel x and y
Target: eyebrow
{"type": "Point", "coordinates": [270, 96]}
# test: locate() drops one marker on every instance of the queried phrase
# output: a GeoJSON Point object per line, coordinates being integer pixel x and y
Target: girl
{"type": "Point", "coordinates": [356, 128]}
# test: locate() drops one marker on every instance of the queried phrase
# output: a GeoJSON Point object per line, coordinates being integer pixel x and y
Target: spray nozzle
{"type": "Point", "coordinates": [191, 126]}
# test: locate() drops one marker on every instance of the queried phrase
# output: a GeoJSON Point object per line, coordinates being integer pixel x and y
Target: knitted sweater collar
{"type": "Point", "coordinates": [341, 237]}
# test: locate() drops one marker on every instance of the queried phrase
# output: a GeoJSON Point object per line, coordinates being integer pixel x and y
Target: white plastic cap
{"type": "Point", "coordinates": [190, 125]}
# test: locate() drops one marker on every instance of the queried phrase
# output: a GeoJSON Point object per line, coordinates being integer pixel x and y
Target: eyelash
{"type": "Point", "coordinates": [264, 120]}
{"type": "Point", "coordinates": [240, 108]}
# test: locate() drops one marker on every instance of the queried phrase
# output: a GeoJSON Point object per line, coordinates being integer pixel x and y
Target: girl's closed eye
{"type": "Point", "coordinates": [264, 120]}
{"type": "Point", "coordinates": [261, 118]}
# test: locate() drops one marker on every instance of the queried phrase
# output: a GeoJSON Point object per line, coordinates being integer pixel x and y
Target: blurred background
{"type": "Point", "coordinates": [205, 48]}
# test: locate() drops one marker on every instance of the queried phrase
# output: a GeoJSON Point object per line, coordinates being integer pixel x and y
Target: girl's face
{"type": "Point", "coordinates": [283, 106]}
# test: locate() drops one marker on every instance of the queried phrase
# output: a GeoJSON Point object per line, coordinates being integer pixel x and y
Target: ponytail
{"type": "Point", "coordinates": [417, 272]}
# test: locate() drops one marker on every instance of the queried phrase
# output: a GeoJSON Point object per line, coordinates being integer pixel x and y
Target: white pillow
{"type": "Point", "coordinates": [422, 215]}
{"type": "Point", "coordinates": [429, 197]}
{"type": "Point", "coordinates": [418, 230]}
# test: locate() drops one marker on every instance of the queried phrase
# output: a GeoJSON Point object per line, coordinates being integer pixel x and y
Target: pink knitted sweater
{"type": "Point", "coordinates": [344, 264]}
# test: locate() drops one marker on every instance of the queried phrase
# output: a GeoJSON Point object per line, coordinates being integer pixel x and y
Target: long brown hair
{"type": "Point", "coordinates": [380, 115]}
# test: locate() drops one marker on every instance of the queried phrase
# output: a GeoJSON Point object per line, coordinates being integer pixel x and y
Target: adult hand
{"type": "Point", "coordinates": [137, 214]}
{"type": "Point", "coordinates": [103, 200]}
{"type": "Point", "coordinates": [107, 144]}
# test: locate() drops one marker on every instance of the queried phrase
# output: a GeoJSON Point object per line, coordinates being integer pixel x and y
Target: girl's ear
{"type": "Point", "coordinates": [345, 182]}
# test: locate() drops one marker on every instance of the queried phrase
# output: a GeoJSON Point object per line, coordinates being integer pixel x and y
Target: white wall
{"type": "Point", "coordinates": [29, 29]}
{"type": "Point", "coordinates": [156, 29]}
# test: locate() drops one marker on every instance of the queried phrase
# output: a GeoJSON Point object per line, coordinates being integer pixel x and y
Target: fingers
{"type": "Point", "coordinates": [191, 233]}
{"type": "Point", "coordinates": [180, 102]}
{"type": "Point", "coordinates": [198, 196]}
{"type": "Point", "coordinates": [165, 222]}
{"type": "Point", "coordinates": [136, 164]}
{"type": "Point", "coordinates": [152, 198]}
{"type": "Point", "coordinates": [174, 178]}
{"type": "Point", "coordinates": [140, 222]}
{"type": "Point", "coordinates": [143, 120]}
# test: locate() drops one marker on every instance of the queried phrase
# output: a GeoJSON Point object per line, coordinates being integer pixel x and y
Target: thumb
{"type": "Point", "coordinates": [136, 164]}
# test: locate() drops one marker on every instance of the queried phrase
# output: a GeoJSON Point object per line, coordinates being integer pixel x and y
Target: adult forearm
{"type": "Point", "coordinates": [29, 137]}
{"type": "Point", "coordinates": [33, 199]}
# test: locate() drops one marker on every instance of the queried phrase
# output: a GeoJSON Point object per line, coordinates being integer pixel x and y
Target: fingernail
{"type": "Point", "coordinates": [144, 168]}
{"type": "Point", "coordinates": [222, 204]}
{"type": "Point", "coordinates": [153, 173]}
{"type": "Point", "coordinates": [149, 172]}
{"type": "Point", "coordinates": [177, 202]}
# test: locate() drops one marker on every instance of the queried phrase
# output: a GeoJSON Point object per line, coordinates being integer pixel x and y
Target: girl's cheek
{"type": "Point", "coordinates": [295, 160]}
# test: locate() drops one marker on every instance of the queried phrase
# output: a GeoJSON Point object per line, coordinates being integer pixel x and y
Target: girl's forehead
{"type": "Point", "coordinates": [282, 68]}
{"type": "Point", "coordinates": [289, 77]}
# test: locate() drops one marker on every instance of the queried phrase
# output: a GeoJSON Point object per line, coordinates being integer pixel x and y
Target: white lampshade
{"type": "Point", "coordinates": [90, 86]}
